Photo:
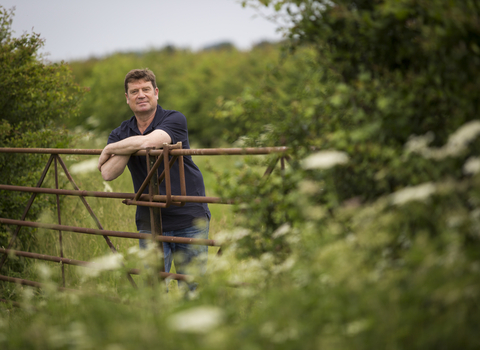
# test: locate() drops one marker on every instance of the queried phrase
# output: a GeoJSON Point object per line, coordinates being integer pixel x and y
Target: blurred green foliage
{"type": "Point", "coordinates": [391, 86]}
{"type": "Point", "coordinates": [35, 98]}
{"type": "Point", "coordinates": [370, 236]}
{"type": "Point", "coordinates": [190, 82]}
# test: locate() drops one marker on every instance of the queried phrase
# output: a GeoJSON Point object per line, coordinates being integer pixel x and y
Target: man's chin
{"type": "Point", "coordinates": [144, 110]}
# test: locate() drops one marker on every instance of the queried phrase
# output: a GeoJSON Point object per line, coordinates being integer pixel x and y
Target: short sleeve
{"type": "Point", "coordinates": [114, 137]}
{"type": "Point", "coordinates": [175, 125]}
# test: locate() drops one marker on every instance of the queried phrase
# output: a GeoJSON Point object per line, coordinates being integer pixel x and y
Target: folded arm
{"type": "Point", "coordinates": [115, 156]}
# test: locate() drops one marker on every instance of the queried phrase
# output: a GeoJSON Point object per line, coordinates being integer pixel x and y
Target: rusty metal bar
{"type": "Point", "coordinates": [176, 152]}
{"type": "Point", "coordinates": [51, 151]}
{"type": "Point", "coordinates": [150, 174]}
{"type": "Point", "coordinates": [155, 213]}
{"type": "Point", "coordinates": [227, 151]}
{"type": "Point", "coordinates": [59, 219]}
{"type": "Point", "coordinates": [74, 262]}
{"type": "Point", "coordinates": [81, 193]}
{"type": "Point", "coordinates": [115, 195]}
{"type": "Point", "coordinates": [121, 234]}
{"type": "Point", "coordinates": [25, 282]}
{"type": "Point", "coordinates": [270, 167]}
{"type": "Point", "coordinates": [165, 175]}
{"type": "Point", "coordinates": [14, 303]}
{"type": "Point", "coordinates": [175, 276]}
{"type": "Point", "coordinates": [168, 197]}
{"type": "Point", "coordinates": [46, 257]}
{"type": "Point", "coordinates": [27, 209]}
{"type": "Point", "coordinates": [192, 199]}
{"type": "Point", "coordinates": [161, 177]}
{"type": "Point", "coordinates": [166, 165]}
{"type": "Point", "coordinates": [183, 187]}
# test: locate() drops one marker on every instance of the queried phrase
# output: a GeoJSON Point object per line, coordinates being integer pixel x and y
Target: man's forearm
{"type": "Point", "coordinates": [114, 157]}
{"type": "Point", "coordinates": [126, 147]}
{"type": "Point", "coordinates": [134, 143]}
{"type": "Point", "coordinates": [113, 167]}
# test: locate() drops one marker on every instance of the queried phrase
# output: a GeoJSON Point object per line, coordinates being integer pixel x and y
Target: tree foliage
{"type": "Point", "coordinates": [35, 97]}
{"type": "Point", "coordinates": [189, 82]}
{"type": "Point", "coordinates": [383, 129]}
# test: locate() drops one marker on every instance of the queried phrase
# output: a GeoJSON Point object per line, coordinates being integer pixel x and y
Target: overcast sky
{"type": "Point", "coordinates": [79, 29]}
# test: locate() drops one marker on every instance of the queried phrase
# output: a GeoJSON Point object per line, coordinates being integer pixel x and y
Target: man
{"type": "Point", "coordinates": [152, 126]}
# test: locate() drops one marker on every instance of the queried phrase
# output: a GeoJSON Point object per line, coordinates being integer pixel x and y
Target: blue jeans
{"type": "Point", "coordinates": [184, 253]}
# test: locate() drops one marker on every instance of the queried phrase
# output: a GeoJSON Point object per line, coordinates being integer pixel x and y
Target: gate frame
{"type": "Point", "coordinates": [169, 154]}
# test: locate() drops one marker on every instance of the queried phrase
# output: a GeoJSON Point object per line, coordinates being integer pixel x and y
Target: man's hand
{"type": "Point", "coordinates": [104, 157]}
{"type": "Point", "coordinates": [111, 165]}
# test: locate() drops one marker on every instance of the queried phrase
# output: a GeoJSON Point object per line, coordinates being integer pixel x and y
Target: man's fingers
{"type": "Point", "coordinates": [101, 160]}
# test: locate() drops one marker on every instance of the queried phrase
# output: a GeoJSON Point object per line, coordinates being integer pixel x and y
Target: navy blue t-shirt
{"type": "Point", "coordinates": [173, 218]}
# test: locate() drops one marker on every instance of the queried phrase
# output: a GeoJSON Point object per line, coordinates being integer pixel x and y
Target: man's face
{"type": "Point", "coordinates": [142, 97]}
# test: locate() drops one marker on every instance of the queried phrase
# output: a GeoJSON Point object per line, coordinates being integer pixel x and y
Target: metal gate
{"type": "Point", "coordinates": [168, 155]}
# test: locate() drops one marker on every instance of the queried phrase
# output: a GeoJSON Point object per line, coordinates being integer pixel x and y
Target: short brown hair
{"type": "Point", "coordinates": [140, 74]}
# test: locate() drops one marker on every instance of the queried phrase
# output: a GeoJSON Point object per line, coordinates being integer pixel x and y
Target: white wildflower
{"type": "Point", "coordinates": [28, 295]}
{"type": "Point", "coordinates": [107, 187]}
{"type": "Point", "coordinates": [45, 274]}
{"type": "Point", "coordinates": [325, 160]}
{"type": "Point", "coordinates": [418, 144]}
{"type": "Point", "coordinates": [267, 259]}
{"type": "Point", "coordinates": [222, 236]}
{"type": "Point", "coordinates": [270, 330]}
{"type": "Point", "coordinates": [281, 231]}
{"type": "Point", "coordinates": [456, 145]}
{"type": "Point", "coordinates": [455, 221]}
{"type": "Point", "coordinates": [151, 256]}
{"type": "Point", "coordinates": [285, 334]}
{"type": "Point", "coordinates": [267, 329]}
{"type": "Point", "coordinates": [44, 271]}
{"type": "Point", "coordinates": [358, 326]}
{"type": "Point", "coordinates": [287, 265]}
{"type": "Point", "coordinates": [78, 336]}
{"type": "Point", "coordinates": [309, 187]}
{"type": "Point", "coordinates": [242, 141]}
{"type": "Point", "coordinates": [114, 347]}
{"type": "Point", "coordinates": [104, 263]}
{"type": "Point", "coordinates": [86, 166]}
{"type": "Point", "coordinates": [93, 121]}
{"type": "Point", "coordinates": [465, 134]}
{"type": "Point", "coordinates": [133, 250]}
{"type": "Point", "coordinates": [239, 234]}
{"type": "Point", "coordinates": [416, 193]}
{"type": "Point", "coordinates": [200, 319]}
{"type": "Point", "coordinates": [471, 166]}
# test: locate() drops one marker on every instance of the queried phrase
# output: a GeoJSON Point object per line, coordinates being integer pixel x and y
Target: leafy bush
{"type": "Point", "coordinates": [389, 86]}
{"type": "Point", "coordinates": [35, 96]}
